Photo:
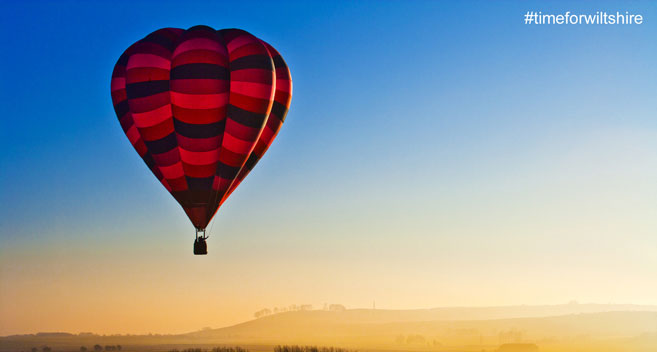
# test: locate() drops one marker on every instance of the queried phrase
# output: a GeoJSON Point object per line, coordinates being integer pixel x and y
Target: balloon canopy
{"type": "Point", "coordinates": [201, 107]}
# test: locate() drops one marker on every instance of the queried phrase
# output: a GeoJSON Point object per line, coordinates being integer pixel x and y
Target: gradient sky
{"type": "Point", "coordinates": [435, 154]}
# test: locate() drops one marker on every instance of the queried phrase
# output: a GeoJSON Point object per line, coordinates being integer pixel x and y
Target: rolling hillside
{"type": "Point", "coordinates": [579, 327]}
{"type": "Point", "coordinates": [357, 329]}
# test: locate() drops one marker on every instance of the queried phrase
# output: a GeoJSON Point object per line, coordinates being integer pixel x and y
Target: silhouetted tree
{"type": "Point", "coordinates": [297, 348]}
{"type": "Point", "coordinates": [98, 348]}
{"type": "Point", "coordinates": [262, 313]}
{"type": "Point", "coordinates": [118, 347]}
{"type": "Point", "coordinates": [510, 336]}
{"type": "Point", "coordinates": [83, 349]}
{"type": "Point", "coordinates": [34, 349]}
{"type": "Point", "coordinates": [337, 307]}
{"type": "Point", "coordinates": [415, 339]}
{"type": "Point", "coordinates": [229, 349]}
{"type": "Point", "coordinates": [46, 349]}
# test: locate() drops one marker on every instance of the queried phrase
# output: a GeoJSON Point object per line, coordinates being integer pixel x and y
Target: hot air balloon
{"type": "Point", "coordinates": [201, 107]}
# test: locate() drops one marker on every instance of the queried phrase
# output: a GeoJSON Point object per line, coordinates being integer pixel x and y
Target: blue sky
{"type": "Point", "coordinates": [422, 135]}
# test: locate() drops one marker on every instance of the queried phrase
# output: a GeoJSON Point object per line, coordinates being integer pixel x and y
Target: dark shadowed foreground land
{"type": "Point", "coordinates": [571, 327]}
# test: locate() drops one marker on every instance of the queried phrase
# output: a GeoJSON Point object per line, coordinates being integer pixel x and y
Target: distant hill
{"type": "Point", "coordinates": [54, 334]}
{"type": "Point", "coordinates": [458, 313]}
{"type": "Point", "coordinates": [438, 329]}
{"type": "Point", "coordinates": [354, 328]}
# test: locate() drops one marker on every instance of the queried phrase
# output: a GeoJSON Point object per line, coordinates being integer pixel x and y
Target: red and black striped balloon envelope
{"type": "Point", "coordinates": [201, 107]}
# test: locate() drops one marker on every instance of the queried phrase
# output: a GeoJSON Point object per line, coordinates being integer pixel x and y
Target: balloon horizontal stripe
{"type": "Point", "coordinates": [144, 74]}
{"type": "Point", "coordinates": [193, 130]}
{"type": "Point", "coordinates": [252, 89]}
{"type": "Point", "coordinates": [133, 135]}
{"type": "Point", "coordinates": [156, 133]}
{"type": "Point", "coordinates": [247, 103]}
{"type": "Point", "coordinates": [198, 144]}
{"type": "Point", "coordinates": [253, 61]}
{"type": "Point", "coordinates": [200, 86]}
{"type": "Point", "coordinates": [199, 158]}
{"type": "Point", "coordinates": [151, 102]}
{"type": "Point", "coordinates": [237, 145]}
{"type": "Point", "coordinates": [200, 171]}
{"type": "Point", "coordinates": [118, 83]}
{"type": "Point", "coordinates": [199, 56]}
{"type": "Point", "coordinates": [250, 75]}
{"type": "Point", "coordinates": [173, 171]}
{"type": "Point", "coordinates": [200, 70]}
{"type": "Point", "coordinates": [199, 116]}
{"type": "Point", "coordinates": [146, 88]}
{"type": "Point", "coordinates": [199, 101]}
{"type": "Point", "coordinates": [201, 44]}
{"type": "Point", "coordinates": [162, 145]}
{"type": "Point", "coordinates": [241, 131]}
{"type": "Point", "coordinates": [166, 158]}
{"type": "Point", "coordinates": [153, 117]}
{"type": "Point", "coordinates": [245, 117]}
{"type": "Point", "coordinates": [148, 60]}
{"type": "Point", "coordinates": [283, 85]}
{"type": "Point", "coordinates": [122, 108]}
{"type": "Point", "coordinates": [278, 110]}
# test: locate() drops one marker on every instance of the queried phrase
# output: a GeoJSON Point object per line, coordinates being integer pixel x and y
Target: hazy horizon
{"type": "Point", "coordinates": [602, 307]}
{"type": "Point", "coordinates": [566, 327]}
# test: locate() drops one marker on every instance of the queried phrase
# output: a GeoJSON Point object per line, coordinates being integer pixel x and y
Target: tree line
{"type": "Point", "coordinates": [99, 348]}
{"type": "Point", "coordinates": [296, 348]}
{"type": "Point", "coordinates": [279, 348]}
{"type": "Point", "coordinates": [294, 307]}
{"type": "Point", "coordinates": [216, 349]}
